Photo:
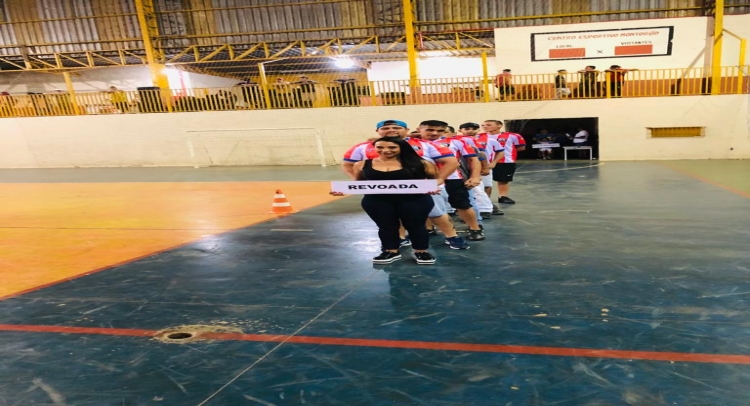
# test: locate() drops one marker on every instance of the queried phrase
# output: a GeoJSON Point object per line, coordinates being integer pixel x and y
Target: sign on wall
{"type": "Point", "coordinates": [596, 44]}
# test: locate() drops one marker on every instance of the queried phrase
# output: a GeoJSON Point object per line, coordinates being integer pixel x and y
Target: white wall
{"type": "Point", "coordinates": [162, 139]}
{"type": "Point", "coordinates": [431, 68]}
{"type": "Point", "coordinates": [739, 25]}
{"type": "Point", "coordinates": [98, 79]}
{"type": "Point", "coordinates": [201, 81]}
{"type": "Point", "coordinates": [513, 46]}
{"type": "Point", "coordinates": [126, 78]}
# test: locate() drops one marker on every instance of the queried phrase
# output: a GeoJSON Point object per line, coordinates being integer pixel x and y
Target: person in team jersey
{"type": "Point", "coordinates": [457, 185]}
{"type": "Point", "coordinates": [442, 157]}
{"type": "Point", "coordinates": [505, 168]}
{"type": "Point", "coordinates": [490, 147]}
{"type": "Point", "coordinates": [481, 201]}
{"type": "Point", "coordinates": [397, 160]}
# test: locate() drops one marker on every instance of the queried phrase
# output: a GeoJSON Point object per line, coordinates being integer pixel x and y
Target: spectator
{"type": "Point", "coordinates": [252, 94]}
{"type": "Point", "coordinates": [504, 85]}
{"type": "Point", "coordinates": [306, 91]}
{"type": "Point", "coordinates": [349, 93]}
{"type": "Point", "coordinates": [561, 84]}
{"type": "Point", "coordinates": [225, 100]}
{"type": "Point", "coordinates": [616, 78]}
{"type": "Point", "coordinates": [588, 86]}
{"type": "Point", "coordinates": [581, 138]}
{"type": "Point", "coordinates": [7, 105]}
{"type": "Point", "coordinates": [541, 138]}
{"type": "Point", "coordinates": [281, 94]}
{"type": "Point", "coordinates": [119, 99]}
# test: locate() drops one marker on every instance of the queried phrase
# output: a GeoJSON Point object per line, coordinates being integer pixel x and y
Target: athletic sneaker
{"type": "Point", "coordinates": [404, 242]}
{"type": "Point", "coordinates": [424, 258]}
{"type": "Point", "coordinates": [456, 243]}
{"type": "Point", "coordinates": [475, 235]}
{"type": "Point", "coordinates": [432, 232]}
{"type": "Point", "coordinates": [485, 215]}
{"type": "Point", "coordinates": [496, 211]}
{"type": "Point", "coordinates": [386, 257]}
{"type": "Point", "coordinates": [506, 200]}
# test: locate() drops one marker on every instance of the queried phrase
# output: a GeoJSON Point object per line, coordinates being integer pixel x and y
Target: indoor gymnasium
{"type": "Point", "coordinates": [169, 234]}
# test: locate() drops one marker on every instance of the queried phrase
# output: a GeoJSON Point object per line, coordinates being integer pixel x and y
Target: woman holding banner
{"type": "Point", "coordinates": [397, 160]}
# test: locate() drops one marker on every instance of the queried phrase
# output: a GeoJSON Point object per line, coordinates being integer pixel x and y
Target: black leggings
{"type": "Point", "coordinates": [387, 211]}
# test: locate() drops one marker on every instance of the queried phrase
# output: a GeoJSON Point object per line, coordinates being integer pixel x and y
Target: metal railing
{"type": "Point", "coordinates": [577, 85]}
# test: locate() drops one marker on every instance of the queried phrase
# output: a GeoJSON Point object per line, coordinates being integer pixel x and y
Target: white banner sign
{"type": "Point", "coordinates": [618, 43]}
{"type": "Point", "coordinates": [385, 187]}
{"type": "Point", "coordinates": [545, 145]}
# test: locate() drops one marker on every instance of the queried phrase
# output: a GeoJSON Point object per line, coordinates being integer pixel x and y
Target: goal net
{"type": "Point", "coordinates": [259, 147]}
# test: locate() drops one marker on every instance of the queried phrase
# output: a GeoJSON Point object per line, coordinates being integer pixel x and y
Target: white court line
{"type": "Point", "coordinates": [563, 169]}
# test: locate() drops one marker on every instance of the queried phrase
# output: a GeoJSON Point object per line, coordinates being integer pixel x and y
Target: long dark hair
{"type": "Point", "coordinates": [412, 163]}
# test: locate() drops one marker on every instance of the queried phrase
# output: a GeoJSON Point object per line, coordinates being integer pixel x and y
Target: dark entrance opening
{"type": "Point", "coordinates": [561, 131]}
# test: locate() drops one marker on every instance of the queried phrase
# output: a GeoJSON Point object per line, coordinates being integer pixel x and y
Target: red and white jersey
{"type": "Point", "coordinates": [460, 149]}
{"type": "Point", "coordinates": [509, 141]}
{"type": "Point", "coordinates": [489, 145]}
{"type": "Point", "coordinates": [360, 152]}
{"type": "Point", "coordinates": [469, 141]}
{"type": "Point", "coordinates": [424, 149]}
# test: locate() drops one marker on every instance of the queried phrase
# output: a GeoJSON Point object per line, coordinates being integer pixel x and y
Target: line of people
{"type": "Point", "coordinates": [464, 164]}
{"type": "Point", "coordinates": [589, 85]}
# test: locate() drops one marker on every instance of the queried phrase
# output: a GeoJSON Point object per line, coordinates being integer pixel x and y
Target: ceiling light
{"type": "Point", "coordinates": [344, 63]}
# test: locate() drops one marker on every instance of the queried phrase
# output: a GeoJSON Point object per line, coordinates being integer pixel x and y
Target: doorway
{"type": "Point", "coordinates": [561, 130]}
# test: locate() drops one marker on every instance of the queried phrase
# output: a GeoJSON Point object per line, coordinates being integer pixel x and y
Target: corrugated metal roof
{"type": "Point", "coordinates": [737, 6]}
{"type": "Point", "coordinates": [49, 26]}
{"type": "Point", "coordinates": [203, 22]}
{"type": "Point", "coordinates": [442, 15]}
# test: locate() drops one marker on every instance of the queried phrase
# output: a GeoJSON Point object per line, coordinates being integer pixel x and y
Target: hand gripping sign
{"type": "Point", "coordinates": [385, 187]}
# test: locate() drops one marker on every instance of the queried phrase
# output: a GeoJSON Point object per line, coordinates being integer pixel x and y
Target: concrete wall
{"type": "Point", "coordinates": [99, 79]}
{"type": "Point", "coordinates": [738, 25]}
{"type": "Point", "coordinates": [305, 135]}
{"type": "Point", "coordinates": [431, 68]}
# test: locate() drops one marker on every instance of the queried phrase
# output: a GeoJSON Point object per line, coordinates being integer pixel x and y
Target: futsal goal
{"type": "Point", "coordinates": [259, 147]}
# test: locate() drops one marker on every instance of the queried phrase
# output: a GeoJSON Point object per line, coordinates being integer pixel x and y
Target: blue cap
{"type": "Point", "coordinates": [391, 122]}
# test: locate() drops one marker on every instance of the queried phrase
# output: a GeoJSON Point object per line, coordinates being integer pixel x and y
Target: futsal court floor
{"type": "Point", "coordinates": [608, 284]}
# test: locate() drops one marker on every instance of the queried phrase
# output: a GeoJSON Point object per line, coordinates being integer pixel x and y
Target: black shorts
{"type": "Point", "coordinates": [458, 194]}
{"type": "Point", "coordinates": [503, 172]}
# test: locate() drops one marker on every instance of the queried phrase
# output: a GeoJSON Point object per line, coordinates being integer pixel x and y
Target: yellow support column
{"type": "Point", "coordinates": [264, 85]}
{"type": "Point", "coordinates": [71, 92]}
{"type": "Point", "coordinates": [485, 78]}
{"type": "Point", "coordinates": [154, 56]}
{"type": "Point", "coordinates": [741, 67]}
{"type": "Point", "coordinates": [411, 48]}
{"type": "Point", "coordinates": [718, 14]}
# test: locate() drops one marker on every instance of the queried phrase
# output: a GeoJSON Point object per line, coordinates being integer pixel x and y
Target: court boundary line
{"type": "Point", "coordinates": [402, 344]}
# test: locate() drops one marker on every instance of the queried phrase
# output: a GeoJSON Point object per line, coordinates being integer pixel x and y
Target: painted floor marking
{"type": "Point", "coordinates": [402, 344]}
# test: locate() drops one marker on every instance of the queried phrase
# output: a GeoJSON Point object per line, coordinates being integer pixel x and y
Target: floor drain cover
{"type": "Point", "coordinates": [179, 336]}
{"type": "Point", "coordinates": [191, 334]}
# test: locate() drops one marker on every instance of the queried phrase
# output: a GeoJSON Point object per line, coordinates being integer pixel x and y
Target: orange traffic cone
{"type": "Point", "coordinates": [280, 204]}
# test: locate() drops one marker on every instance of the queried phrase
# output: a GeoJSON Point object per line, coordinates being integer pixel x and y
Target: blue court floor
{"type": "Point", "coordinates": [607, 284]}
